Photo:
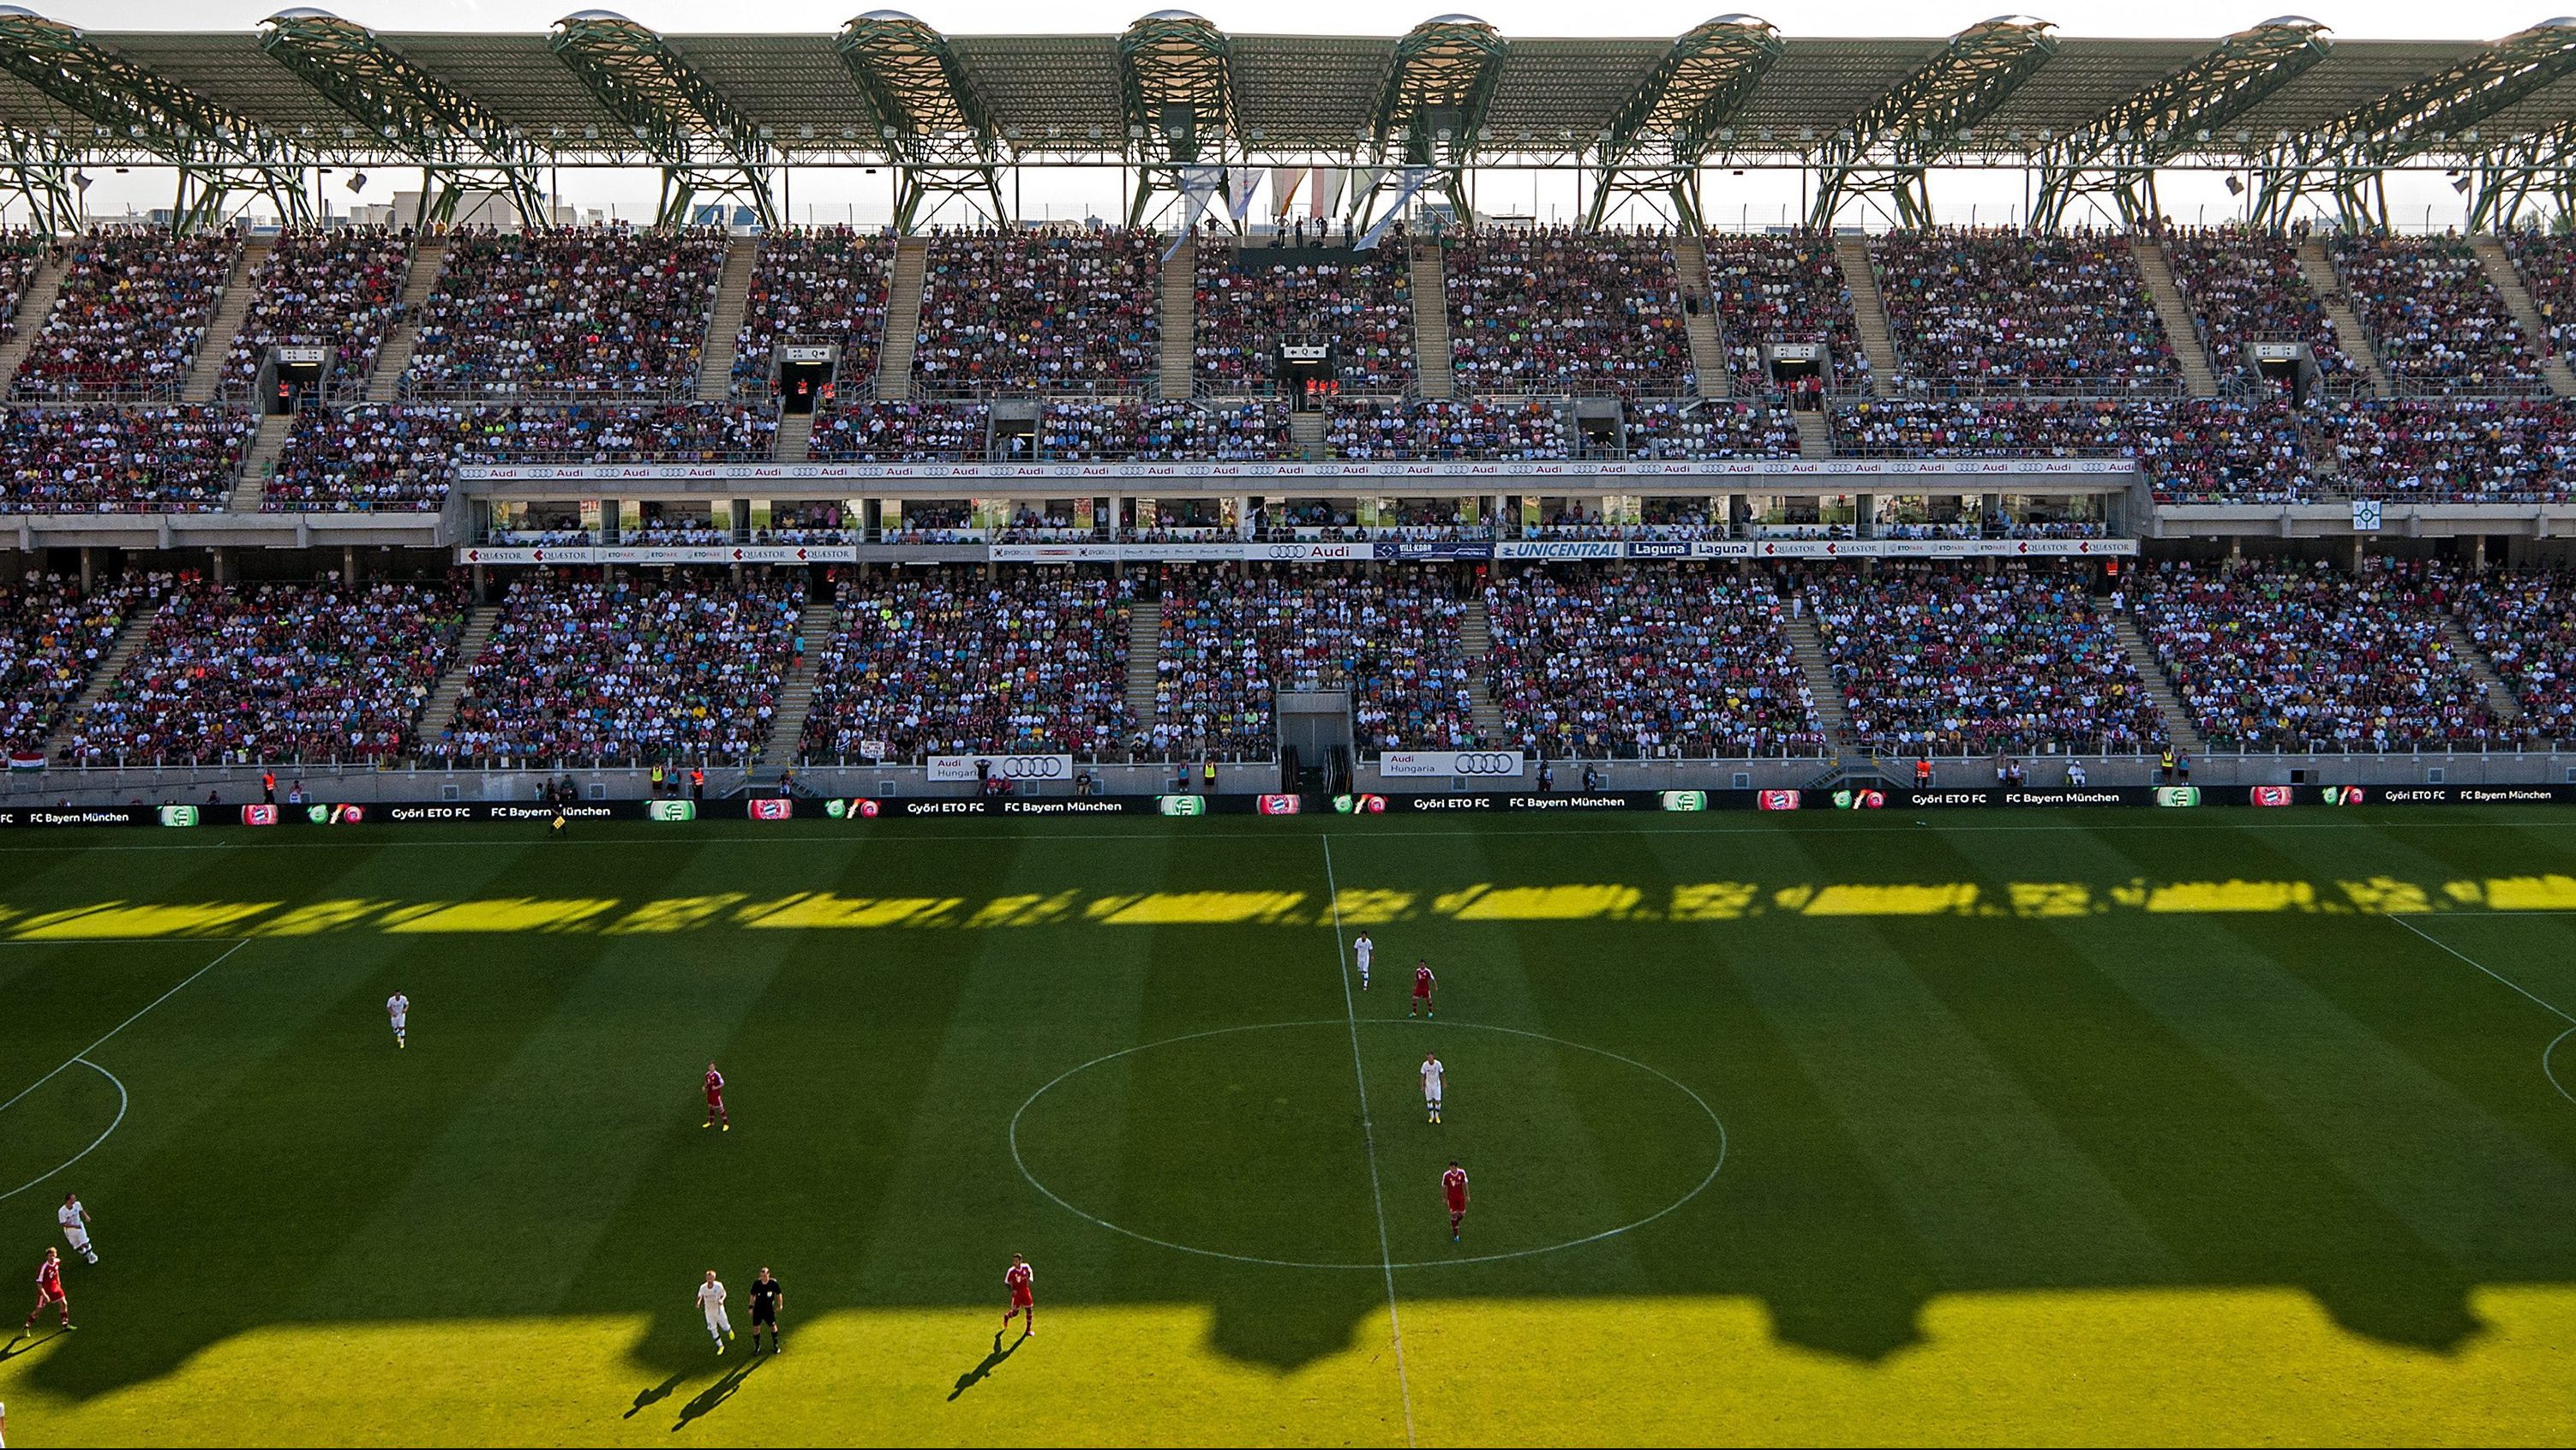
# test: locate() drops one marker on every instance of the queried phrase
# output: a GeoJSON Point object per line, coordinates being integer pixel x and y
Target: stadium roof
{"type": "Point", "coordinates": [889, 89]}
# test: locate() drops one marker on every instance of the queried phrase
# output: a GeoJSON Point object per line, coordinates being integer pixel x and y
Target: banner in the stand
{"type": "Point", "coordinates": [2108, 469]}
{"type": "Point", "coordinates": [1432, 550]}
{"type": "Point", "coordinates": [676, 554]}
{"type": "Point", "coordinates": [1018, 769]}
{"type": "Point", "coordinates": [1472, 764]}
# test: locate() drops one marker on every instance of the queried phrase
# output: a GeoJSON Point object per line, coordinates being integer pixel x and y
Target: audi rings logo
{"type": "Point", "coordinates": [1485, 763]}
{"type": "Point", "coordinates": [1032, 767]}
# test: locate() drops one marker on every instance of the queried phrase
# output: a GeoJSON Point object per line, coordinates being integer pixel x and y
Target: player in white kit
{"type": "Point", "coordinates": [398, 1007]}
{"type": "Point", "coordinates": [1364, 949]}
{"type": "Point", "coordinates": [75, 1222]}
{"type": "Point", "coordinates": [711, 1298]}
{"type": "Point", "coordinates": [1434, 1074]}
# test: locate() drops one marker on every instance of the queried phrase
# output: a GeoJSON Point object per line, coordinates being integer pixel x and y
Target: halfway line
{"type": "Point", "coordinates": [1368, 1134]}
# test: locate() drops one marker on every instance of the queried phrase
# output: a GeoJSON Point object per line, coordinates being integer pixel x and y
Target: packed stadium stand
{"type": "Point", "coordinates": [2245, 287]}
{"type": "Point", "coordinates": [2526, 625]}
{"type": "Point", "coordinates": [2001, 311]}
{"type": "Point", "coordinates": [612, 310]}
{"type": "Point", "coordinates": [327, 672]}
{"type": "Point", "coordinates": [1231, 641]}
{"type": "Point", "coordinates": [338, 289]}
{"type": "Point", "coordinates": [1060, 309]}
{"type": "Point", "coordinates": [1254, 299]}
{"type": "Point", "coordinates": [1782, 289]}
{"type": "Point", "coordinates": [2436, 321]}
{"type": "Point", "coordinates": [130, 316]}
{"type": "Point", "coordinates": [1555, 310]}
{"type": "Point", "coordinates": [627, 673]}
{"type": "Point", "coordinates": [1940, 659]}
{"type": "Point", "coordinates": [52, 637]}
{"type": "Point", "coordinates": [952, 664]}
{"type": "Point", "coordinates": [2284, 656]}
{"type": "Point", "coordinates": [1650, 665]}
{"type": "Point", "coordinates": [825, 287]}
{"type": "Point", "coordinates": [97, 458]}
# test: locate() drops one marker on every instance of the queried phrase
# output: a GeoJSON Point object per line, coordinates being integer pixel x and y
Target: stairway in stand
{"type": "Point", "coordinates": [1869, 313]}
{"type": "Point", "coordinates": [2500, 697]}
{"type": "Point", "coordinates": [1307, 429]}
{"type": "Point", "coordinates": [794, 442]}
{"type": "Point", "coordinates": [1807, 645]}
{"type": "Point", "coordinates": [2317, 265]}
{"type": "Point", "coordinates": [1179, 320]}
{"type": "Point", "coordinates": [1430, 283]}
{"type": "Point", "coordinates": [2178, 722]}
{"type": "Point", "coordinates": [724, 322]}
{"type": "Point", "coordinates": [903, 318]}
{"type": "Point", "coordinates": [1144, 657]}
{"type": "Point", "coordinates": [250, 487]}
{"type": "Point", "coordinates": [1476, 642]}
{"type": "Point", "coordinates": [2199, 379]}
{"type": "Point", "coordinates": [439, 715]}
{"type": "Point", "coordinates": [137, 629]}
{"type": "Point", "coordinates": [2517, 298]}
{"type": "Point", "coordinates": [1815, 433]}
{"type": "Point", "coordinates": [1699, 323]}
{"type": "Point", "coordinates": [216, 347]}
{"type": "Point", "coordinates": [30, 316]}
{"type": "Point", "coordinates": [796, 693]}
{"type": "Point", "coordinates": [394, 358]}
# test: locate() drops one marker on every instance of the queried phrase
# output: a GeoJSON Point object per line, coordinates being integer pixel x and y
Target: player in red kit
{"type": "Point", "coordinates": [1421, 990]}
{"type": "Point", "coordinates": [1024, 1298]}
{"type": "Point", "coordinates": [715, 1100]}
{"type": "Point", "coordinates": [49, 1288]}
{"type": "Point", "coordinates": [1453, 1186]}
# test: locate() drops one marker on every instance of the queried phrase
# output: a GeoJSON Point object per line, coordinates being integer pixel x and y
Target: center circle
{"type": "Point", "coordinates": [1246, 1144]}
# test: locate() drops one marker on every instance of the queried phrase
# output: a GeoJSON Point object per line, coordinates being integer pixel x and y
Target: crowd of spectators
{"type": "Point", "coordinates": [635, 672]}
{"type": "Point", "coordinates": [2547, 263]}
{"type": "Point", "coordinates": [1710, 430]}
{"type": "Point", "coordinates": [1494, 428]}
{"type": "Point", "coordinates": [1940, 659]}
{"type": "Point", "coordinates": [1654, 664]}
{"type": "Point", "coordinates": [824, 286]}
{"type": "Point", "coordinates": [22, 255]}
{"type": "Point", "coordinates": [131, 314]}
{"type": "Point", "coordinates": [1558, 310]}
{"type": "Point", "coordinates": [1231, 639]}
{"type": "Point", "coordinates": [2473, 450]}
{"type": "Point", "coordinates": [1994, 428]}
{"type": "Point", "coordinates": [595, 310]}
{"type": "Point", "coordinates": [901, 431]}
{"type": "Point", "coordinates": [1164, 429]}
{"type": "Point", "coordinates": [1058, 309]}
{"type": "Point", "coordinates": [2436, 322]}
{"type": "Point", "coordinates": [2525, 622]}
{"type": "Point", "coordinates": [339, 289]}
{"type": "Point", "coordinates": [52, 636]}
{"type": "Point", "coordinates": [276, 673]}
{"type": "Point", "coordinates": [2244, 286]}
{"type": "Point", "coordinates": [2201, 450]}
{"type": "Point", "coordinates": [1034, 663]}
{"type": "Point", "coordinates": [1250, 302]}
{"type": "Point", "coordinates": [1782, 289]}
{"type": "Point", "coordinates": [2004, 310]}
{"type": "Point", "coordinates": [2299, 657]}
{"type": "Point", "coordinates": [97, 459]}
{"type": "Point", "coordinates": [1951, 660]}
{"type": "Point", "coordinates": [403, 456]}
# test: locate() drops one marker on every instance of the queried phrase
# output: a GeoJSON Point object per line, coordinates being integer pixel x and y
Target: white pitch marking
{"type": "Point", "coordinates": [128, 1022]}
{"type": "Point", "coordinates": [112, 1126]}
{"type": "Point", "coordinates": [1368, 1134]}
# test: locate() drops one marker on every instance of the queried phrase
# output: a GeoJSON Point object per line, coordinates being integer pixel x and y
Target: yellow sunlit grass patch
{"type": "Point", "coordinates": [502, 914]}
{"type": "Point", "coordinates": [824, 911]}
{"type": "Point", "coordinates": [2208, 897]}
{"type": "Point", "coordinates": [1945, 899]}
{"type": "Point", "coordinates": [1713, 901]}
{"type": "Point", "coordinates": [2531, 893]}
{"type": "Point", "coordinates": [676, 913]}
{"type": "Point", "coordinates": [118, 918]}
{"type": "Point", "coordinates": [1195, 908]}
{"type": "Point", "coordinates": [2051, 1367]}
{"type": "Point", "coordinates": [1539, 903]}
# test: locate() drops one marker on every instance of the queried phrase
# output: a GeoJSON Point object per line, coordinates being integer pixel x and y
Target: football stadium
{"type": "Point", "coordinates": [1720, 737]}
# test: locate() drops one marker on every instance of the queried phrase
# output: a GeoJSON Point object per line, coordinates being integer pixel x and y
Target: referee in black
{"type": "Point", "coordinates": [767, 1295]}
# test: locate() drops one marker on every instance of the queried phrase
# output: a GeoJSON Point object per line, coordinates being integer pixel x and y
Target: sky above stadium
{"type": "Point", "coordinates": [2461, 19]}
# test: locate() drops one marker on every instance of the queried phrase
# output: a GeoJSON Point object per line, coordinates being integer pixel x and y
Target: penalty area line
{"type": "Point", "coordinates": [1368, 1136]}
{"type": "Point", "coordinates": [2552, 1008]}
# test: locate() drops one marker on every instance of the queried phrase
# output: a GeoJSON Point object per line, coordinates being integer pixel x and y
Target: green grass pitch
{"type": "Point", "coordinates": [2064, 1127]}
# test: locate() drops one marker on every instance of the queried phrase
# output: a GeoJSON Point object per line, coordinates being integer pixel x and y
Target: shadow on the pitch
{"type": "Point", "coordinates": [992, 1362]}
{"type": "Point", "coordinates": [25, 1341]}
{"type": "Point", "coordinates": [715, 1394]}
{"type": "Point", "coordinates": [655, 1394]}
